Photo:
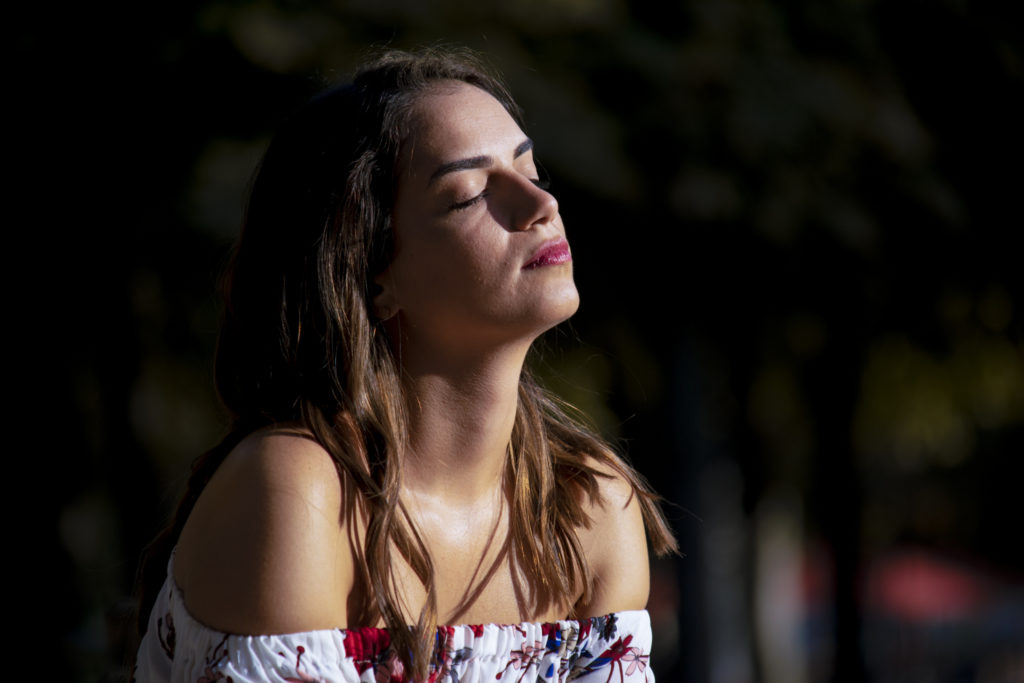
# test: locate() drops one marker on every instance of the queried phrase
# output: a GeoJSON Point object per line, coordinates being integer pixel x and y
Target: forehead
{"type": "Point", "coordinates": [453, 120]}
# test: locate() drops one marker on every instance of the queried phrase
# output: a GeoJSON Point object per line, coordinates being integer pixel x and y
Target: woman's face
{"type": "Point", "coordinates": [480, 251]}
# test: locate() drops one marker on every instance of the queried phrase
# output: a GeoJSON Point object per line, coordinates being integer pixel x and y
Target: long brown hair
{"type": "Point", "coordinates": [300, 343]}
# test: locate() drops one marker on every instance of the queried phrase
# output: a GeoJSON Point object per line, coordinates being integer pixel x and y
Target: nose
{"type": "Point", "coordinates": [532, 204]}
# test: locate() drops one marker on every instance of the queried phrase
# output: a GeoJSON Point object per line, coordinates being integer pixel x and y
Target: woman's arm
{"type": "Point", "coordinates": [616, 549]}
{"type": "Point", "coordinates": [265, 550]}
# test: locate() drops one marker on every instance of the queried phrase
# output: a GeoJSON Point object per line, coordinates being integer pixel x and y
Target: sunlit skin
{"type": "Point", "coordinates": [465, 314]}
{"type": "Point", "coordinates": [468, 216]}
{"type": "Point", "coordinates": [465, 309]}
{"type": "Point", "coordinates": [264, 551]}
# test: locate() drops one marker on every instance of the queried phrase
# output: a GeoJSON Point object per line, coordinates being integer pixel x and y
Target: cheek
{"type": "Point", "coordinates": [480, 256]}
{"type": "Point", "coordinates": [474, 252]}
{"type": "Point", "coordinates": [439, 268]}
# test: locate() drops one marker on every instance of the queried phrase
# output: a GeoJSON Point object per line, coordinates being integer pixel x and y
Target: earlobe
{"type": "Point", "coordinates": [385, 303]}
{"type": "Point", "coordinates": [382, 313]}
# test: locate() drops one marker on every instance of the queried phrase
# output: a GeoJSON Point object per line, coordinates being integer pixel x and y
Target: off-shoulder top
{"type": "Point", "coordinates": [176, 647]}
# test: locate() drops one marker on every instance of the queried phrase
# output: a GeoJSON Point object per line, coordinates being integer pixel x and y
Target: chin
{"type": "Point", "coordinates": [572, 305]}
{"type": "Point", "coordinates": [563, 307]}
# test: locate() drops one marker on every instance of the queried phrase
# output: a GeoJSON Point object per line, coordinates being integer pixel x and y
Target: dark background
{"type": "Point", "coordinates": [796, 235]}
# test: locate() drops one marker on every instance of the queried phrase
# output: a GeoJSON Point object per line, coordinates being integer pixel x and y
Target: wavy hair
{"type": "Point", "coordinates": [299, 344]}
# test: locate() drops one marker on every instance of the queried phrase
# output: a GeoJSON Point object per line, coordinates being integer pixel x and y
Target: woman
{"type": "Point", "coordinates": [391, 462]}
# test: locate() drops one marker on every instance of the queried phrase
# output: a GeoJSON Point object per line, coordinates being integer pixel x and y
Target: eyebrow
{"type": "Point", "coordinates": [482, 161]}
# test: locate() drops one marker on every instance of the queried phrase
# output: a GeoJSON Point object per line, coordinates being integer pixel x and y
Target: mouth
{"type": "Point", "coordinates": [552, 253]}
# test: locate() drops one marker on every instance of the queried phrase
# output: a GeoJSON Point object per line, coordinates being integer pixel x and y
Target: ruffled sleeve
{"type": "Point", "coordinates": [176, 647]}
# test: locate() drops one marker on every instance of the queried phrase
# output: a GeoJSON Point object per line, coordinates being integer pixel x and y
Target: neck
{"type": "Point", "coordinates": [461, 417]}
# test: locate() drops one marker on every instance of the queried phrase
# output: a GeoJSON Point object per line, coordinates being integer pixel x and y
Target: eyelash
{"type": "Point", "coordinates": [462, 206]}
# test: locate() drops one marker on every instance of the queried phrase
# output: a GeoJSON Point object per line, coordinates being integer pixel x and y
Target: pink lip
{"type": "Point", "coordinates": [550, 254]}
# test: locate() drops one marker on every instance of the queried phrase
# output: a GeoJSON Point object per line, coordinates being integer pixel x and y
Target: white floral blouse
{"type": "Point", "coordinates": [176, 647]}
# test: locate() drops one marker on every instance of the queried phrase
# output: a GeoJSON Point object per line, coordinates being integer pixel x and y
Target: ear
{"type": "Point", "coordinates": [385, 300]}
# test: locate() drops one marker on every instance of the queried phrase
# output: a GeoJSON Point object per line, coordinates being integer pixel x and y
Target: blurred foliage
{"type": "Point", "coordinates": [795, 228]}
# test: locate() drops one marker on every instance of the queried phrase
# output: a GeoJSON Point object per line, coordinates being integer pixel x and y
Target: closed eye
{"type": "Point", "coordinates": [542, 183]}
{"type": "Point", "coordinates": [460, 206]}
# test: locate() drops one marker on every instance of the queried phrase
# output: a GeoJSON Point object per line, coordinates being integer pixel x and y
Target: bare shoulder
{"type": "Point", "coordinates": [265, 549]}
{"type": "Point", "coordinates": [615, 546]}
